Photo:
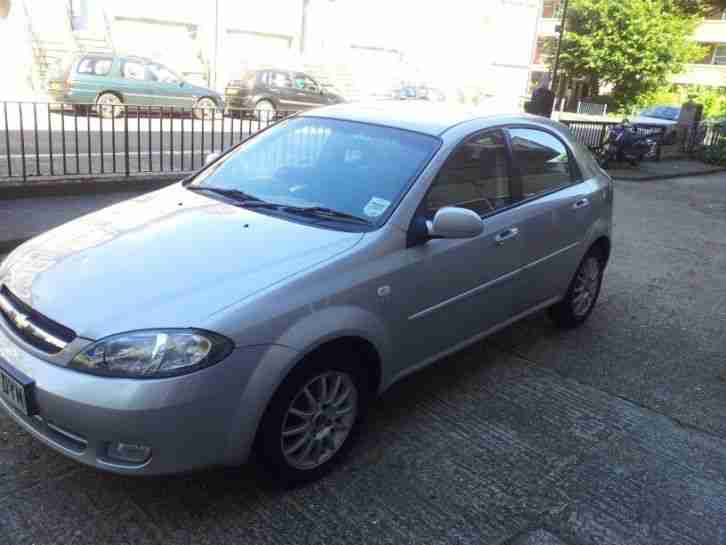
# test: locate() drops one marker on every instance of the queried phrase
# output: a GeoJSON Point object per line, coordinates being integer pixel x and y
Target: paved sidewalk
{"type": "Point", "coordinates": [662, 170]}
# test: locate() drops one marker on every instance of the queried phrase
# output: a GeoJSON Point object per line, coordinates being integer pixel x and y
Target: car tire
{"type": "Point", "coordinates": [313, 419]}
{"type": "Point", "coordinates": [205, 108]}
{"type": "Point", "coordinates": [265, 111]}
{"type": "Point", "coordinates": [109, 105]}
{"type": "Point", "coordinates": [582, 292]}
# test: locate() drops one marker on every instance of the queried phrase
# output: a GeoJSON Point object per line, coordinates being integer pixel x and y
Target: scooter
{"type": "Point", "coordinates": [623, 143]}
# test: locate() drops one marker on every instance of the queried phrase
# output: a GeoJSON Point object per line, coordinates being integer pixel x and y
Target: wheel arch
{"type": "Point", "coordinates": [119, 94]}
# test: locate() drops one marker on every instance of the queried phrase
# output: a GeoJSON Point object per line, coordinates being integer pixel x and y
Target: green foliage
{"type": "Point", "coordinates": [633, 45]}
{"type": "Point", "coordinates": [712, 98]}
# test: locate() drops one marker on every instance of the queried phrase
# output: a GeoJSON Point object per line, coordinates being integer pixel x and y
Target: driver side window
{"type": "Point", "coordinates": [475, 176]}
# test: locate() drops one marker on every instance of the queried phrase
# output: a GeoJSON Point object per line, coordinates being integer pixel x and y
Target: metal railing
{"type": "Point", "coordinates": [593, 133]}
{"type": "Point", "coordinates": [54, 139]}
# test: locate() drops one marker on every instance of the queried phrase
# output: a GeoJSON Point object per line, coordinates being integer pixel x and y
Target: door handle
{"type": "Point", "coordinates": [582, 203]}
{"type": "Point", "coordinates": [506, 235]}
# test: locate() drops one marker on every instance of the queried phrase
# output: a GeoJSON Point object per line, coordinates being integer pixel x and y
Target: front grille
{"type": "Point", "coordinates": [31, 326]}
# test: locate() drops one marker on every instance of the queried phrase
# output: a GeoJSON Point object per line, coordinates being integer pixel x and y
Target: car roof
{"type": "Point", "coordinates": [419, 116]}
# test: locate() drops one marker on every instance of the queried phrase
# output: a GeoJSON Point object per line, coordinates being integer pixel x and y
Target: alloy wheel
{"type": "Point", "coordinates": [587, 283]}
{"type": "Point", "coordinates": [319, 420]}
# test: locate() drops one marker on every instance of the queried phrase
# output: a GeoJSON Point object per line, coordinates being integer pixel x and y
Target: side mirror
{"type": "Point", "coordinates": [454, 222]}
{"type": "Point", "coordinates": [211, 157]}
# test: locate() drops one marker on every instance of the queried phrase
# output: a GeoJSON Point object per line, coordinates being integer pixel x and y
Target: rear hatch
{"type": "Point", "coordinates": [239, 89]}
{"type": "Point", "coordinates": [59, 75]}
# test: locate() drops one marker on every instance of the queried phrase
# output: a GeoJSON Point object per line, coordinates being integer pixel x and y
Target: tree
{"type": "Point", "coordinates": [633, 45]}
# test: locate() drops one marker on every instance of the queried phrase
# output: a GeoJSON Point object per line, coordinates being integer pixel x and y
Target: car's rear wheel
{"type": "Point", "coordinates": [205, 108]}
{"type": "Point", "coordinates": [582, 293]}
{"type": "Point", "coordinates": [313, 418]}
{"type": "Point", "coordinates": [109, 105]}
{"type": "Point", "coordinates": [265, 111]}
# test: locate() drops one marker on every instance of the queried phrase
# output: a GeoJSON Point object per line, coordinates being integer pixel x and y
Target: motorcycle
{"type": "Point", "coordinates": [623, 143]}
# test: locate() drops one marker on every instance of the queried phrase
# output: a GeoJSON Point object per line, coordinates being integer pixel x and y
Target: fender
{"type": "Point", "coordinates": [273, 362]}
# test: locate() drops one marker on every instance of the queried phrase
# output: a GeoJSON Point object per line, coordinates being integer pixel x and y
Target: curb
{"type": "Point", "coordinates": [654, 177]}
{"type": "Point", "coordinates": [84, 185]}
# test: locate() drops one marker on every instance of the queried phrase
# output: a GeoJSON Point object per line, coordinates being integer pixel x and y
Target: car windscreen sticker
{"type": "Point", "coordinates": [375, 207]}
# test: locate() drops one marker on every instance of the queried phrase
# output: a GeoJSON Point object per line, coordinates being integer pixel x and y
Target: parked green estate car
{"type": "Point", "coordinates": [110, 81]}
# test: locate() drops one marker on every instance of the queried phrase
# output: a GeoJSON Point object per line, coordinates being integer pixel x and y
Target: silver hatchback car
{"type": "Point", "coordinates": [260, 304]}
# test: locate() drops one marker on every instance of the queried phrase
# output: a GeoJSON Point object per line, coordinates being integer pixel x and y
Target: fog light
{"type": "Point", "coordinates": [129, 452]}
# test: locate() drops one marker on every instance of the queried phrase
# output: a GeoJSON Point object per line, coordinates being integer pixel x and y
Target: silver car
{"type": "Point", "coordinates": [263, 302]}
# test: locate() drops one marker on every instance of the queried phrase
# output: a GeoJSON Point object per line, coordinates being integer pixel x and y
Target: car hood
{"type": "Point", "coordinates": [166, 259]}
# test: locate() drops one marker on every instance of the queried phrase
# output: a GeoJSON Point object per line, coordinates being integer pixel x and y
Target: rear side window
{"type": "Point", "coordinates": [281, 79]}
{"type": "Point", "coordinates": [475, 176]}
{"type": "Point", "coordinates": [133, 70]}
{"type": "Point", "coordinates": [541, 160]}
{"type": "Point", "coordinates": [95, 66]}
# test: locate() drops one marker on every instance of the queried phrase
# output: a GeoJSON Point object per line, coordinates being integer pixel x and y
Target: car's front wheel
{"type": "Point", "coordinates": [313, 418]}
{"type": "Point", "coordinates": [205, 108]}
{"type": "Point", "coordinates": [582, 293]}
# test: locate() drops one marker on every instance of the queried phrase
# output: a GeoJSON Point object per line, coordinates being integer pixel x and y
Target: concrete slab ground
{"type": "Point", "coordinates": [611, 434]}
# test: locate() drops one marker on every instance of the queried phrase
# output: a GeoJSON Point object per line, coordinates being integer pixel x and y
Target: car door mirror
{"type": "Point", "coordinates": [211, 158]}
{"type": "Point", "coordinates": [455, 222]}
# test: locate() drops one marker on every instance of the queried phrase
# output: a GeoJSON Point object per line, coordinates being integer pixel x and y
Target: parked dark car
{"type": "Point", "coordinates": [275, 90]}
{"type": "Point", "coordinates": [112, 81]}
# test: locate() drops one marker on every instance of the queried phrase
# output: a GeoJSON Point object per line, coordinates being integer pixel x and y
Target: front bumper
{"type": "Point", "coordinates": [205, 418]}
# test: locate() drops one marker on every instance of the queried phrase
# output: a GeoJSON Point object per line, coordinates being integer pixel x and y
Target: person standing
{"type": "Point", "coordinates": [543, 99]}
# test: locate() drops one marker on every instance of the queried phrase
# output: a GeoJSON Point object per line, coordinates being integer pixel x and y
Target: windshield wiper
{"type": "Point", "coordinates": [317, 211]}
{"type": "Point", "coordinates": [235, 194]}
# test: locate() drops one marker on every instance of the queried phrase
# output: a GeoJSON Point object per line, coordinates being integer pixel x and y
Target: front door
{"type": "Point", "coordinates": [457, 289]}
{"type": "Point", "coordinates": [170, 89]}
{"type": "Point", "coordinates": [281, 87]}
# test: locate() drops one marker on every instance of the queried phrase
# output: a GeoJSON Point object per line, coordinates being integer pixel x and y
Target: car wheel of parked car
{"type": "Point", "coordinates": [582, 294]}
{"type": "Point", "coordinates": [109, 105]}
{"type": "Point", "coordinates": [266, 110]}
{"type": "Point", "coordinates": [205, 108]}
{"type": "Point", "coordinates": [313, 418]}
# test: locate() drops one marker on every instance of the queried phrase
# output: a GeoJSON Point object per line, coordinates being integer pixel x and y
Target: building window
{"type": "Point", "coordinates": [719, 54]}
{"type": "Point", "coordinates": [79, 15]}
{"type": "Point", "coordinates": [552, 9]}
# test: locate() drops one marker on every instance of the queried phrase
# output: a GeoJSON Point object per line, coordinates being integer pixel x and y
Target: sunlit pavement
{"type": "Point", "coordinates": [611, 434]}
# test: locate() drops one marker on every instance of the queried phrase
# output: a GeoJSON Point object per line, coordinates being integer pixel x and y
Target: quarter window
{"type": "Point", "coordinates": [475, 176]}
{"type": "Point", "coordinates": [541, 161]}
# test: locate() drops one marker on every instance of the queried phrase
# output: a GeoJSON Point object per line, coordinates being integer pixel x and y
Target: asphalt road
{"type": "Point", "coordinates": [611, 434]}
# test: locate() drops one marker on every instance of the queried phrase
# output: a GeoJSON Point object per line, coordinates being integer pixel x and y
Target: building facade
{"type": "Point", "coordinates": [469, 50]}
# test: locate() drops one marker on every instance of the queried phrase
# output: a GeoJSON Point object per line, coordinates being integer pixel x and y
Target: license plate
{"type": "Point", "coordinates": [16, 389]}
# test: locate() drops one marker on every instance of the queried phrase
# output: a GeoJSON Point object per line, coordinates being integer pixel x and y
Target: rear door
{"type": "Point", "coordinates": [555, 213]}
{"type": "Point", "coordinates": [281, 89]}
{"type": "Point", "coordinates": [134, 83]}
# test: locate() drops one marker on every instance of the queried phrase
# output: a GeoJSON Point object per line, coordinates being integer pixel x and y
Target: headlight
{"type": "Point", "coordinates": [153, 353]}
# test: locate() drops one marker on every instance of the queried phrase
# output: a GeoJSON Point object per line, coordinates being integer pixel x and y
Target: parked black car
{"type": "Point", "coordinates": [276, 90]}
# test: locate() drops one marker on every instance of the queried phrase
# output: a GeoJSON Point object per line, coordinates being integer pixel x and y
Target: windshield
{"type": "Point", "coordinates": [353, 168]}
{"type": "Point", "coordinates": [662, 112]}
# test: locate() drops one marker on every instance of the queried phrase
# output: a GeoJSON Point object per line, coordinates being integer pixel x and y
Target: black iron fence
{"type": "Point", "coordinates": [53, 139]}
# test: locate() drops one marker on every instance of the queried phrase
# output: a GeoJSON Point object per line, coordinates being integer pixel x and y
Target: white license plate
{"type": "Point", "coordinates": [15, 391]}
